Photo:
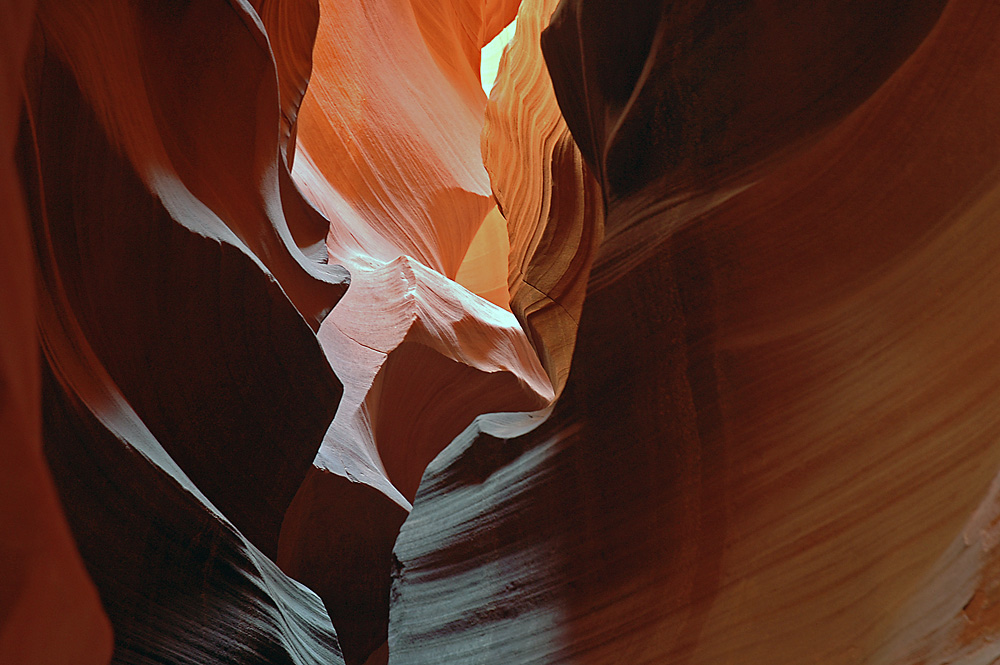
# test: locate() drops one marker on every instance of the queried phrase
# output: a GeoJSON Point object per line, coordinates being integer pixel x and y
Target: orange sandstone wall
{"type": "Point", "coordinates": [678, 348]}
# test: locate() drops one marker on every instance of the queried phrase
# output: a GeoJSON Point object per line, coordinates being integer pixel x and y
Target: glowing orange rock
{"type": "Point", "coordinates": [553, 206]}
{"type": "Point", "coordinates": [389, 151]}
{"type": "Point", "coordinates": [695, 337]}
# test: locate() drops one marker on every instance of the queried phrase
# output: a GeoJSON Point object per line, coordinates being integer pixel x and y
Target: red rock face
{"type": "Point", "coordinates": [677, 349]}
{"type": "Point", "coordinates": [49, 609]}
{"type": "Point", "coordinates": [745, 460]}
{"type": "Point", "coordinates": [175, 305]}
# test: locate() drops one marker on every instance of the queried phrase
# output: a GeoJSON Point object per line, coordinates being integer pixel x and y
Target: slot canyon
{"type": "Point", "coordinates": [499, 332]}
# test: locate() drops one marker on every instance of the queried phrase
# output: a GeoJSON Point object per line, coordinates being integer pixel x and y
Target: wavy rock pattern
{"type": "Point", "coordinates": [403, 185]}
{"type": "Point", "coordinates": [779, 420]}
{"type": "Point", "coordinates": [553, 206]}
{"type": "Point", "coordinates": [676, 349]}
{"type": "Point", "coordinates": [184, 393]}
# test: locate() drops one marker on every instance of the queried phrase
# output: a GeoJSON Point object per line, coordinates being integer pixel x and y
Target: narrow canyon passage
{"type": "Point", "coordinates": [663, 332]}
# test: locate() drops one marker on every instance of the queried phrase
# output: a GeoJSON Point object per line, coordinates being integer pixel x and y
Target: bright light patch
{"type": "Point", "coordinates": [490, 59]}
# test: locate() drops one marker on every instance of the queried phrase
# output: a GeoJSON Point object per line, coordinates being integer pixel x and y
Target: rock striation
{"type": "Point", "coordinates": [777, 439]}
{"type": "Point", "coordinates": [676, 348]}
{"type": "Point", "coordinates": [183, 393]}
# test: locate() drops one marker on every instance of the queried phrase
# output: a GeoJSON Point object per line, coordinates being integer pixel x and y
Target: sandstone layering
{"type": "Point", "coordinates": [678, 347]}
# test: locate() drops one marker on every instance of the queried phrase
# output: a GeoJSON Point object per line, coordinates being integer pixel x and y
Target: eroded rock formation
{"type": "Point", "coordinates": [753, 459]}
{"type": "Point", "coordinates": [184, 393]}
{"type": "Point", "coordinates": [676, 349]}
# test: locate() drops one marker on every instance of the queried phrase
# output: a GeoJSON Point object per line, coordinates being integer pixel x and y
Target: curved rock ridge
{"type": "Point", "coordinates": [552, 205]}
{"type": "Point", "coordinates": [683, 104]}
{"type": "Point", "coordinates": [678, 348]}
{"type": "Point", "coordinates": [389, 151]}
{"type": "Point", "coordinates": [290, 29]}
{"type": "Point", "coordinates": [212, 179]}
{"type": "Point", "coordinates": [185, 393]}
{"type": "Point", "coordinates": [49, 609]}
{"type": "Point", "coordinates": [120, 273]}
{"type": "Point", "coordinates": [211, 596]}
{"type": "Point", "coordinates": [778, 435]}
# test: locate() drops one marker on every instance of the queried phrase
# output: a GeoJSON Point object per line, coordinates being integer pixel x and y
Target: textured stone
{"type": "Point", "coordinates": [777, 439]}
{"type": "Point", "coordinates": [678, 348]}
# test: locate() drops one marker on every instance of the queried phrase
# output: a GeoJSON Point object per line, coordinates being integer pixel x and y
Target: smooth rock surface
{"type": "Point", "coordinates": [677, 348]}
{"type": "Point", "coordinates": [778, 436]}
{"type": "Point", "coordinates": [49, 609]}
{"type": "Point", "coordinates": [184, 392]}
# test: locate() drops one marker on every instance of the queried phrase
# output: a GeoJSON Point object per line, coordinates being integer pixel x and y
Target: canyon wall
{"type": "Point", "coordinates": [676, 348]}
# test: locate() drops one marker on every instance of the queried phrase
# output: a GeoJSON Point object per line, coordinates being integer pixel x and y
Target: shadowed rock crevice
{"type": "Point", "coordinates": [677, 347]}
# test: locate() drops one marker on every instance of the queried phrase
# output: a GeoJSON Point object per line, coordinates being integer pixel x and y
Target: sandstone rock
{"type": "Point", "coordinates": [679, 347]}
{"type": "Point", "coordinates": [185, 393]}
{"type": "Point", "coordinates": [777, 439]}
{"type": "Point", "coordinates": [49, 609]}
